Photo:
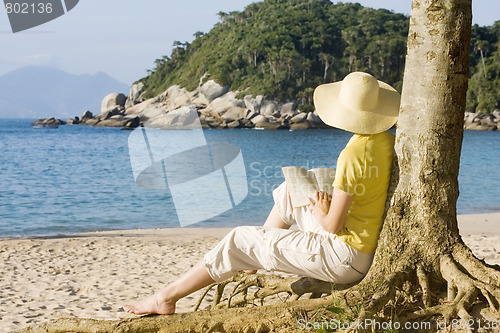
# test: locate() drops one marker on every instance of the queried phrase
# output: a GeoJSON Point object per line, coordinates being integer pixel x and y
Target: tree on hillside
{"type": "Point", "coordinates": [422, 268]}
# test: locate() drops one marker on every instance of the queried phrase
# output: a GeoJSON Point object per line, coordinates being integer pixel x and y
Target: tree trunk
{"type": "Point", "coordinates": [420, 246]}
{"type": "Point", "coordinates": [420, 250]}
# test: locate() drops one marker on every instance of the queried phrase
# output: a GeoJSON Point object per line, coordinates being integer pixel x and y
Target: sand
{"type": "Point", "coordinates": [92, 275]}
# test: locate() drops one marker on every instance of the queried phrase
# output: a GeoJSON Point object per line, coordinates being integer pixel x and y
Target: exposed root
{"type": "Point", "coordinates": [266, 285]}
{"type": "Point", "coordinates": [385, 292]}
{"type": "Point", "coordinates": [424, 285]}
{"type": "Point", "coordinates": [237, 320]}
{"type": "Point", "coordinates": [464, 288]}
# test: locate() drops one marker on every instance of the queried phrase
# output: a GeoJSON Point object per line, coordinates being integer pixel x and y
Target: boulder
{"type": "Point", "coordinates": [151, 112]}
{"type": "Point", "coordinates": [111, 100]}
{"type": "Point", "coordinates": [258, 119]}
{"type": "Point", "coordinates": [234, 124]}
{"type": "Point", "coordinates": [92, 121]}
{"type": "Point", "coordinates": [475, 126]}
{"type": "Point", "coordinates": [224, 103]}
{"type": "Point", "coordinates": [271, 125]}
{"type": "Point", "coordinates": [134, 96]}
{"type": "Point", "coordinates": [48, 122]}
{"type": "Point", "coordinates": [301, 126]}
{"type": "Point", "coordinates": [289, 108]}
{"type": "Point", "coordinates": [315, 120]}
{"type": "Point", "coordinates": [113, 111]}
{"type": "Point", "coordinates": [233, 113]}
{"type": "Point", "coordinates": [73, 121]}
{"type": "Point", "coordinates": [488, 120]}
{"type": "Point", "coordinates": [268, 108]}
{"type": "Point", "coordinates": [120, 121]}
{"type": "Point", "coordinates": [174, 98]}
{"type": "Point", "coordinates": [211, 90]}
{"type": "Point", "coordinates": [137, 108]}
{"type": "Point", "coordinates": [86, 115]}
{"type": "Point", "coordinates": [253, 104]}
{"type": "Point", "coordinates": [299, 118]}
{"type": "Point", "coordinates": [183, 118]}
{"type": "Point", "coordinates": [496, 114]}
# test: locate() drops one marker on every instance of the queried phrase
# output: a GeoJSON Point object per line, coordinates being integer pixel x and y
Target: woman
{"type": "Point", "coordinates": [337, 238]}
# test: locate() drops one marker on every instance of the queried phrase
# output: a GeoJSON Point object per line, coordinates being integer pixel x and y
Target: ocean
{"type": "Point", "coordinates": [79, 179]}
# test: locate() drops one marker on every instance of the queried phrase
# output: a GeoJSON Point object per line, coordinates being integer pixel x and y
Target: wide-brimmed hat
{"type": "Point", "coordinates": [358, 104]}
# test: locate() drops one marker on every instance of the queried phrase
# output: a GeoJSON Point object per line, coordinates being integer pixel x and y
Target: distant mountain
{"type": "Point", "coordinates": [35, 92]}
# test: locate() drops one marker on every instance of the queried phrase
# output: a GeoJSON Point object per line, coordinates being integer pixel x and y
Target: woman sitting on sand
{"type": "Point", "coordinates": [337, 238]}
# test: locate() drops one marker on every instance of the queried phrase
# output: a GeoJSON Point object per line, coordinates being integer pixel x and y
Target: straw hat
{"type": "Point", "coordinates": [358, 104]}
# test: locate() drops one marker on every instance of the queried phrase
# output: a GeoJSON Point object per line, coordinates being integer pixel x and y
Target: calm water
{"type": "Point", "coordinates": [78, 178]}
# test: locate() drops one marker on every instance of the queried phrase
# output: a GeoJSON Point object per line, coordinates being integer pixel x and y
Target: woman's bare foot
{"type": "Point", "coordinates": [154, 304]}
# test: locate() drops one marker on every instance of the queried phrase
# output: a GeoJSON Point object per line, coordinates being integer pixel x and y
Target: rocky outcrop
{"type": "Point", "coordinates": [482, 122]}
{"type": "Point", "coordinates": [217, 107]}
{"type": "Point", "coordinates": [48, 122]}
{"type": "Point", "coordinates": [214, 106]}
{"type": "Point", "coordinates": [113, 101]}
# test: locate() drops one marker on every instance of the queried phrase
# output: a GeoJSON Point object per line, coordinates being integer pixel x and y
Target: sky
{"type": "Point", "coordinates": [123, 37]}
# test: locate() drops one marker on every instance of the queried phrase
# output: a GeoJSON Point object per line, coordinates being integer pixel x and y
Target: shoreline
{"type": "Point", "coordinates": [475, 223]}
{"type": "Point", "coordinates": [93, 274]}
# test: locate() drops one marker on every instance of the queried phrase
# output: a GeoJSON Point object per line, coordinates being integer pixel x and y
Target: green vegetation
{"type": "Point", "coordinates": [283, 49]}
{"type": "Point", "coordinates": [483, 94]}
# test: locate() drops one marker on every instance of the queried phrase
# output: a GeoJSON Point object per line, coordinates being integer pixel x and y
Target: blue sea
{"type": "Point", "coordinates": [77, 178]}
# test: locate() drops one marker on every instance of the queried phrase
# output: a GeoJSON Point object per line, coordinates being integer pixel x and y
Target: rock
{"type": "Point", "coordinates": [475, 126]}
{"type": "Point", "coordinates": [247, 123]}
{"type": "Point", "coordinates": [271, 125]}
{"type": "Point", "coordinates": [496, 114]}
{"type": "Point", "coordinates": [301, 126]}
{"type": "Point", "coordinates": [253, 104]}
{"type": "Point", "coordinates": [182, 118]}
{"type": "Point", "coordinates": [258, 119]}
{"type": "Point", "coordinates": [224, 103]}
{"type": "Point", "coordinates": [488, 120]}
{"type": "Point", "coordinates": [233, 113]}
{"type": "Point", "coordinates": [92, 121]}
{"type": "Point", "coordinates": [315, 120]}
{"type": "Point", "coordinates": [249, 114]}
{"type": "Point", "coordinates": [174, 98]}
{"type": "Point", "coordinates": [211, 90]}
{"type": "Point", "coordinates": [299, 118]}
{"type": "Point", "coordinates": [212, 122]}
{"type": "Point", "coordinates": [48, 122]}
{"type": "Point", "coordinates": [111, 100]}
{"type": "Point", "coordinates": [151, 112]}
{"type": "Point", "coordinates": [73, 121]}
{"type": "Point", "coordinates": [134, 96]}
{"type": "Point", "coordinates": [234, 124]}
{"type": "Point", "coordinates": [86, 115]}
{"type": "Point", "coordinates": [268, 108]}
{"type": "Point", "coordinates": [289, 108]}
{"type": "Point", "coordinates": [120, 121]}
{"type": "Point", "coordinates": [138, 108]}
{"type": "Point", "coordinates": [113, 111]}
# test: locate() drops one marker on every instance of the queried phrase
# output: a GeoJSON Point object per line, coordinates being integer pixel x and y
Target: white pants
{"type": "Point", "coordinates": [310, 251]}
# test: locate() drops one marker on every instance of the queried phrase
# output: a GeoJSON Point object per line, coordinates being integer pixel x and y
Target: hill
{"type": "Point", "coordinates": [34, 92]}
{"type": "Point", "coordinates": [283, 49]}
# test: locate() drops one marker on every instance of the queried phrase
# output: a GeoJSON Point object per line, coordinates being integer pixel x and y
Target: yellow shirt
{"type": "Point", "coordinates": [363, 170]}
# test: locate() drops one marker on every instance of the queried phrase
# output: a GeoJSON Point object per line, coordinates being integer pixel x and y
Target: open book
{"type": "Point", "coordinates": [302, 183]}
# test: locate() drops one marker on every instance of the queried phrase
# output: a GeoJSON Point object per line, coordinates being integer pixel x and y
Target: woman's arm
{"type": "Point", "coordinates": [331, 214]}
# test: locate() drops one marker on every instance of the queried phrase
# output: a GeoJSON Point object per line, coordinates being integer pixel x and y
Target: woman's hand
{"type": "Point", "coordinates": [320, 204]}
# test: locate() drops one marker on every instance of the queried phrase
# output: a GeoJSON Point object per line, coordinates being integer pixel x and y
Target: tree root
{"type": "Point", "coordinates": [266, 285]}
{"type": "Point", "coordinates": [465, 276]}
{"type": "Point", "coordinates": [237, 320]}
{"type": "Point", "coordinates": [465, 280]}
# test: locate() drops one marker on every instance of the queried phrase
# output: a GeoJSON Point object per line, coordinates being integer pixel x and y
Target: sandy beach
{"type": "Point", "coordinates": [92, 275]}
